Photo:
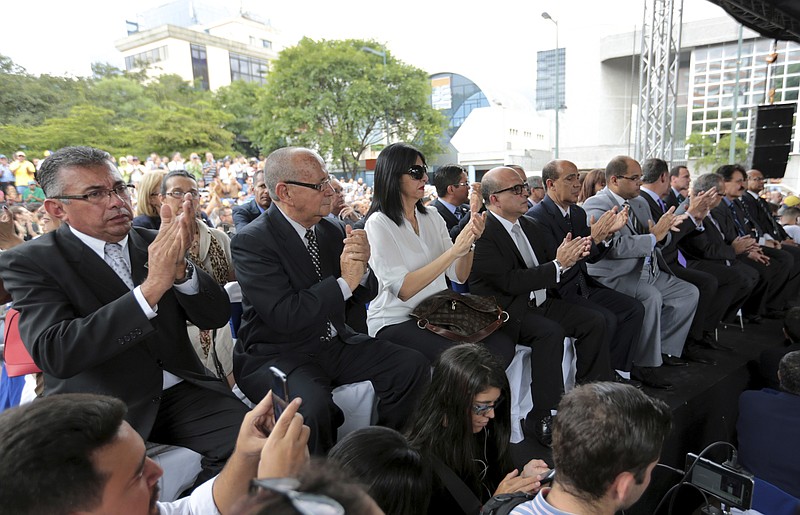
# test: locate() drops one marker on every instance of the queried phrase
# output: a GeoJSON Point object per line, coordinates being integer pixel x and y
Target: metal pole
{"type": "Point", "coordinates": [734, 121]}
{"type": "Point", "coordinates": [385, 114]}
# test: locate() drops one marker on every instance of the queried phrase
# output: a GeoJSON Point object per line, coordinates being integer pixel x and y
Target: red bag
{"type": "Point", "coordinates": [18, 360]}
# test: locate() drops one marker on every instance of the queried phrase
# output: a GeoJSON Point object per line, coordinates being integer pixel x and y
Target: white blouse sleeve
{"type": "Point", "coordinates": [387, 255]}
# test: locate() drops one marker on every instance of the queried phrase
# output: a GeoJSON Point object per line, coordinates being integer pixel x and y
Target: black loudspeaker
{"type": "Point", "coordinates": [769, 151]}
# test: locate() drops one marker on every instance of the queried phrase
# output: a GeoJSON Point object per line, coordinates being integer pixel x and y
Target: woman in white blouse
{"type": "Point", "coordinates": [411, 252]}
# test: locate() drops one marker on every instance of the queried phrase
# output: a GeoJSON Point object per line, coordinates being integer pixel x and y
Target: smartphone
{"type": "Point", "coordinates": [548, 477]}
{"type": "Point", "coordinates": [280, 392]}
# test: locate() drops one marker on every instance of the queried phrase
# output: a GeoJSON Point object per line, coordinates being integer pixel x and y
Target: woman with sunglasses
{"type": "Point", "coordinates": [411, 252]}
{"type": "Point", "coordinates": [463, 426]}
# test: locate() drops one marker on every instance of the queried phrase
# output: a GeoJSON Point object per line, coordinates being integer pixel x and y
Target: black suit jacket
{"type": "Point", "coordinates": [286, 306]}
{"type": "Point", "coordinates": [707, 245]}
{"type": "Point", "coordinates": [498, 268]}
{"type": "Point", "coordinates": [760, 214]}
{"type": "Point", "coordinates": [549, 217]}
{"type": "Point", "coordinates": [670, 250]}
{"type": "Point", "coordinates": [672, 199]}
{"type": "Point", "coordinates": [244, 214]}
{"type": "Point", "coordinates": [85, 330]}
{"type": "Point", "coordinates": [724, 217]}
{"type": "Point", "coordinates": [449, 218]}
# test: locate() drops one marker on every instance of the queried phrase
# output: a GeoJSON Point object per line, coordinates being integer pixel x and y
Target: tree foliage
{"type": "Point", "coordinates": [335, 97]}
{"type": "Point", "coordinates": [709, 154]}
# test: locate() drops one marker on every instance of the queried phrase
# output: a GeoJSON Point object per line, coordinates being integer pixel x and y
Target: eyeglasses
{"type": "Point", "coordinates": [758, 179]}
{"type": "Point", "coordinates": [319, 187]}
{"type": "Point", "coordinates": [123, 191]}
{"type": "Point", "coordinates": [482, 409]}
{"type": "Point", "coordinates": [178, 194]}
{"type": "Point", "coordinates": [517, 189]}
{"type": "Point", "coordinates": [460, 184]}
{"type": "Point", "coordinates": [635, 178]}
{"type": "Point", "coordinates": [305, 503]}
{"type": "Point", "coordinates": [417, 172]}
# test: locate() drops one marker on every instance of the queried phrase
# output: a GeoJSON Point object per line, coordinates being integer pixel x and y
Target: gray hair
{"type": "Point", "coordinates": [789, 372]}
{"type": "Point", "coordinates": [49, 174]}
{"type": "Point", "coordinates": [705, 182]}
{"type": "Point", "coordinates": [534, 181]}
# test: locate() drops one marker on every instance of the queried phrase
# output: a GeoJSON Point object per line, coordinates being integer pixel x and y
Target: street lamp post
{"type": "Point", "coordinates": [558, 74]}
{"type": "Point", "coordinates": [385, 115]}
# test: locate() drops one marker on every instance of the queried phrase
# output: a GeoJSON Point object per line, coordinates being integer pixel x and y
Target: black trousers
{"type": "Point", "coordinates": [543, 329]}
{"type": "Point", "coordinates": [205, 421]}
{"type": "Point", "coordinates": [735, 283]}
{"type": "Point", "coordinates": [398, 375]}
{"type": "Point", "coordinates": [623, 317]}
{"type": "Point", "coordinates": [792, 287]}
{"type": "Point", "coordinates": [772, 279]}
{"type": "Point", "coordinates": [708, 312]}
{"type": "Point", "coordinates": [430, 344]}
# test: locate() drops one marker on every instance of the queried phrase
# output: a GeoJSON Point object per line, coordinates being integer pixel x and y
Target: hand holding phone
{"type": "Point", "coordinates": [280, 392]}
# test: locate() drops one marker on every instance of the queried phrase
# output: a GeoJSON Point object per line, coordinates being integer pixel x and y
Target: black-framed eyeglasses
{"type": "Point", "coordinates": [635, 178]}
{"type": "Point", "coordinates": [417, 172]}
{"type": "Point", "coordinates": [178, 194]}
{"type": "Point", "coordinates": [305, 503]}
{"type": "Point", "coordinates": [123, 191]}
{"type": "Point", "coordinates": [482, 409]}
{"type": "Point", "coordinates": [517, 189]}
{"type": "Point", "coordinates": [322, 186]}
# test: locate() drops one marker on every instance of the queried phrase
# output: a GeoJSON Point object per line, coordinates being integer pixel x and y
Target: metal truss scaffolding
{"type": "Point", "coordinates": [658, 79]}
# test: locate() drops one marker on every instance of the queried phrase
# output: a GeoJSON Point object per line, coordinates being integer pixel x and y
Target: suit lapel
{"type": "Point", "coordinates": [93, 269]}
{"type": "Point", "coordinates": [553, 210]}
{"type": "Point", "coordinates": [286, 235]}
{"type": "Point", "coordinates": [530, 230]}
{"type": "Point", "coordinates": [503, 238]}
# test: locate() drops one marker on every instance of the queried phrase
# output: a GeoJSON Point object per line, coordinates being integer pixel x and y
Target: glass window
{"type": "Point", "coordinates": [248, 69]}
{"type": "Point", "coordinates": [200, 66]}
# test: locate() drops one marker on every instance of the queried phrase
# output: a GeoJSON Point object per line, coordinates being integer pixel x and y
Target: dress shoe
{"type": "Point", "coordinates": [690, 353]}
{"type": "Point", "coordinates": [649, 377]}
{"type": "Point", "coordinates": [707, 342]}
{"type": "Point", "coordinates": [710, 342]}
{"type": "Point", "coordinates": [542, 429]}
{"type": "Point", "coordinates": [632, 382]}
{"type": "Point", "coordinates": [672, 361]}
{"type": "Point", "coordinates": [753, 319]}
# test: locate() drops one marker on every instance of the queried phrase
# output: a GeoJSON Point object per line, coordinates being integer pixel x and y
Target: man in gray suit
{"type": "Point", "coordinates": [634, 266]}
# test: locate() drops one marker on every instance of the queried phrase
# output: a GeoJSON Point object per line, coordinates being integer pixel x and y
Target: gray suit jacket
{"type": "Point", "coordinates": [622, 264]}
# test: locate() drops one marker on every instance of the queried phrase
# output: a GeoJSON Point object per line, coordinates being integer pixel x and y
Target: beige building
{"type": "Point", "coordinates": [212, 55]}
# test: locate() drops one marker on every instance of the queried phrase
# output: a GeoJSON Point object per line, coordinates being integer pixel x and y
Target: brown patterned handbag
{"type": "Point", "coordinates": [463, 318]}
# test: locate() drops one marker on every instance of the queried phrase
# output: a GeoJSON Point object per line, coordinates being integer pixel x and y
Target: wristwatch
{"type": "Point", "coordinates": [188, 273]}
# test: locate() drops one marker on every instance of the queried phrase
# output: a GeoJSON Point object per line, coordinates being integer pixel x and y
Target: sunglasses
{"type": "Point", "coordinates": [482, 409]}
{"type": "Point", "coordinates": [417, 172]}
{"type": "Point", "coordinates": [517, 189]}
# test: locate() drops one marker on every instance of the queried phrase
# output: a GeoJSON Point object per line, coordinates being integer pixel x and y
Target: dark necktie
{"type": "Point", "coordinates": [681, 257]}
{"type": "Point", "coordinates": [457, 213]}
{"type": "Point", "coordinates": [583, 287]}
{"type": "Point", "coordinates": [775, 228]}
{"type": "Point", "coordinates": [748, 219]}
{"type": "Point", "coordinates": [735, 213]}
{"type": "Point", "coordinates": [313, 250]}
{"type": "Point", "coordinates": [638, 228]}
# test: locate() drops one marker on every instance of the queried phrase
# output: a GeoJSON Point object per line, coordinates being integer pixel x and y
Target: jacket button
{"type": "Point", "coordinates": [127, 338]}
{"type": "Point", "coordinates": [156, 399]}
{"type": "Point", "coordinates": [120, 341]}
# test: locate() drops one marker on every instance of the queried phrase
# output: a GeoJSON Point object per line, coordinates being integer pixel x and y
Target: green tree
{"type": "Point", "coordinates": [27, 100]}
{"type": "Point", "coordinates": [709, 154]}
{"type": "Point", "coordinates": [170, 127]}
{"type": "Point", "coordinates": [334, 97]}
{"type": "Point", "coordinates": [239, 100]}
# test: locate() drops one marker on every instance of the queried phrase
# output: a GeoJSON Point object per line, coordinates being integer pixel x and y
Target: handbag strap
{"type": "Point", "coordinates": [473, 338]}
{"type": "Point", "coordinates": [465, 498]}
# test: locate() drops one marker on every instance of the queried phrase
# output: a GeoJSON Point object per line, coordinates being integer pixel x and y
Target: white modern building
{"type": "Point", "coordinates": [488, 128]}
{"type": "Point", "coordinates": [602, 90]}
{"type": "Point", "coordinates": [209, 46]}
